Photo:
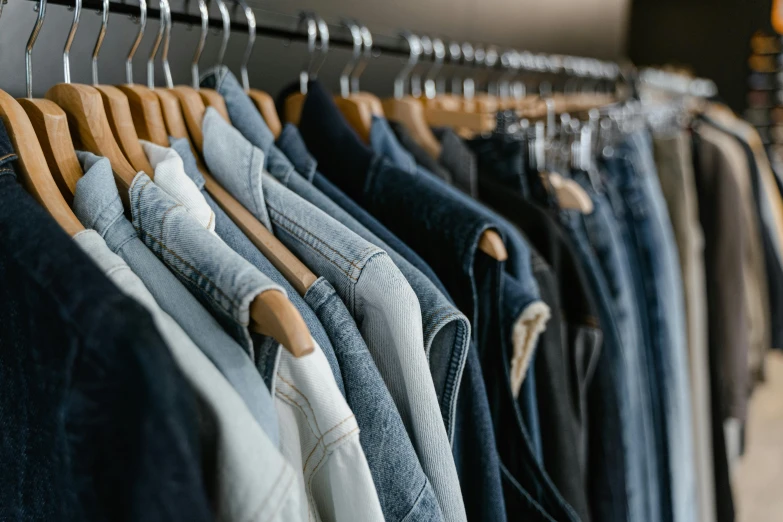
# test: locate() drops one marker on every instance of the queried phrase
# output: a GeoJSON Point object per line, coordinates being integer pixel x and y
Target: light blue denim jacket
{"type": "Point", "coordinates": [98, 206]}
{"type": "Point", "coordinates": [219, 277]}
{"type": "Point", "coordinates": [446, 329]}
{"type": "Point", "coordinates": [376, 293]}
{"type": "Point", "coordinates": [403, 489]}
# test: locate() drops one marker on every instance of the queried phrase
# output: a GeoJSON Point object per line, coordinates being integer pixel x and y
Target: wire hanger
{"type": "Point", "coordinates": [294, 103]}
{"type": "Point", "coordinates": [50, 124]}
{"type": "Point", "coordinates": [356, 110]}
{"type": "Point", "coordinates": [263, 100]}
{"type": "Point", "coordinates": [211, 97]}
{"type": "Point", "coordinates": [407, 110]}
{"type": "Point", "coordinates": [117, 107]}
{"type": "Point", "coordinates": [87, 120]}
{"type": "Point", "coordinates": [376, 106]}
{"type": "Point", "coordinates": [33, 171]}
{"type": "Point", "coordinates": [144, 106]}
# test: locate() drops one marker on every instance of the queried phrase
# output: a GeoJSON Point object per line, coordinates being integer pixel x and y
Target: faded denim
{"type": "Point", "coordinates": [319, 433]}
{"type": "Point", "coordinates": [98, 206]}
{"type": "Point", "coordinates": [98, 423]}
{"type": "Point", "coordinates": [403, 489]}
{"type": "Point", "coordinates": [221, 279]}
{"type": "Point", "coordinates": [435, 220]}
{"type": "Point", "coordinates": [658, 281]}
{"type": "Point", "coordinates": [446, 329]}
{"type": "Point", "coordinates": [384, 306]}
{"type": "Point", "coordinates": [250, 479]}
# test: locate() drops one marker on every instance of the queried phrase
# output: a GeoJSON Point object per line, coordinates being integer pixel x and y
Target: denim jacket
{"type": "Point", "coordinates": [381, 301]}
{"type": "Point", "coordinates": [253, 482]}
{"type": "Point", "coordinates": [319, 432]}
{"type": "Point", "coordinates": [446, 329]}
{"type": "Point", "coordinates": [98, 206]}
{"type": "Point", "coordinates": [403, 489]}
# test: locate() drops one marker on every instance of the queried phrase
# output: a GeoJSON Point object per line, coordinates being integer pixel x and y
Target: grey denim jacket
{"type": "Point", "coordinates": [376, 293]}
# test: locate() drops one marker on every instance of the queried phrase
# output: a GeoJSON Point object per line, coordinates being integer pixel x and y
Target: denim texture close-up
{"type": "Point", "coordinates": [403, 488]}
{"type": "Point", "coordinates": [446, 329]}
{"type": "Point", "coordinates": [658, 283]}
{"type": "Point", "coordinates": [79, 440]}
{"type": "Point", "coordinates": [233, 446]}
{"type": "Point", "coordinates": [449, 246]}
{"type": "Point", "coordinates": [98, 206]}
{"type": "Point", "coordinates": [379, 298]}
{"type": "Point", "coordinates": [233, 236]}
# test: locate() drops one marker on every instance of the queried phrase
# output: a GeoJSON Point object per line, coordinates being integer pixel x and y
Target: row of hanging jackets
{"type": "Point", "coordinates": [230, 323]}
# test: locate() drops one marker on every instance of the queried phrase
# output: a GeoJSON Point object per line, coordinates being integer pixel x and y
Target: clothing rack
{"type": "Point", "coordinates": [286, 27]}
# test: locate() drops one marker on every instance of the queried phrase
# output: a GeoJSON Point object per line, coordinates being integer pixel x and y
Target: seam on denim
{"type": "Point", "coordinates": [254, 515]}
{"type": "Point", "coordinates": [328, 450]}
{"type": "Point", "coordinates": [189, 278]}
{"type": "Point", "coordinates": [254, 180]}
{"type": "Point", "coordinates": [116, 268]}
{"type": "Point", "coordinates": [456, 369]}
{"type": "Point", "coordinates": [310, 406]}
{"type": "Point", "coordinates": [307, 231]}
{"type": "Point", "coordinates": [10, 156]}
{"type": "Point", "coordinates": [434, 316]}
{"type": "Point", "coordinates": [7, 170]}
{"type": "Point", "coordinates": [328, 445]}
{"type": "Point", "coordinates": [416, 502]}
{"type": "Point", "coordinates": [293, 402]}
{"type": "Point", "coordinates": [274, 215]}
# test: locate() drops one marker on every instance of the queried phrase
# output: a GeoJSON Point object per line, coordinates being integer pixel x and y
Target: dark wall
{"type": "Point", "coordinates": [712, 37]}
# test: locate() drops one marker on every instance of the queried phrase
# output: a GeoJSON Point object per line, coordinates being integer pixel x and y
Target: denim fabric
{"type": "Point", "coordinates": [381, 301]}
{"type": "Point", "coordinates": [655, 266]}
{"type": "Point", "coordinates": [443, 226]}
{"type": "Point", "coordinates": [646, 462]}
{"type": "Point", "coordinates": [421, 156]}
{"type": "Point", "coordinates": [479, 470]}
{"type": "Point", "coordinates": [98, 206]}
{"type": "Point", "coordinates": [291, 142]}
{"type": "Point", "coordinates": [230, 233]}
{"type": "Point", "coordinates": [446, 329]}
{"type": "Point", "coordinates": [249, 478]}
{"type": "Point", "coordinates": [533, 314]}
{"type": "Point", "coordinates": [220, 278]}
{"type": "Point", "coordinates": [456, 156]}
{"type": "Point", "coordinates": [98, 422]}
{"type": "Point", "coordinates": [403, 489]}
{"type": "Point", "coordinates": [568, 348]}
{"type": "Point", "coordinates": [319, 434]}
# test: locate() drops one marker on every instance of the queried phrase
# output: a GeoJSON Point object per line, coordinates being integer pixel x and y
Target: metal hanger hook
{"type": "Point", "coordinates": [99, 42]}
{"type": "Point", "coordinates": [307, 18]}
{"type": "Point", "coordinates": [77, 11]}
{"type": "Point", "coordinates": [251, 41]}
{"type": "Point", "coordinates": [202, 41]}
{"type": "Point", "coordinates": [414, 44]}
{"type": "Point", "coordinates": [226, 18]}
{"type": "Point", "coordinates": [365, 59]}
{"type": "Point", "coordinates": [28, 53]}
{"type": "Point", "coordinates": [165, 8]}
{"type": "Point", "coordinates": [439, 54]}
{"type": "Point", "coordinates": [469, 55]}
{"type": "Point", "coordinates": [155, 47]}
{"type": "Point", "coordinates": [455, 56]}
{"type": "Point", "coordinates": [426, 51]}
{"type": "Point", "coordinates": [356, 55]}
{"type": "Point", "coordinates": [323, 33]}
{"type": "Point", "coordinates": [135, 46]}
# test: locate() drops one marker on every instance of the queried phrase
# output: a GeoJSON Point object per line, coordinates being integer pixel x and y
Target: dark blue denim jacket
{"type": "Point", "coordinates": [402, 487]}
{"type": "Point", "coordinates": [98, 422]}
{"type": "Point", "coordinates": [443, 226]}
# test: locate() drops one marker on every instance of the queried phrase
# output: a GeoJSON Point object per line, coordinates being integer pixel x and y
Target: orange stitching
{"type": "Point", "coordinates": [326, 454]}
{"type": "Point", "coordinates": [293, 402]}
{"type": "Point", "coordinates": [7, 156]}
{"type": "Point", "coordinates": [305, 398]}
{"type": "Point", "coordinates": [322, 437]}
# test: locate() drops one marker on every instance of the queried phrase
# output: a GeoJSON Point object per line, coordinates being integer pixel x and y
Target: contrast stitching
{"type": "Point", "coordinates": [304, 397]}
{"type": "Point", "coordinates": [322, 437]}
{"type": "Point", "coordinates": [326, 454]}
{"type": "Point", "coordinates": [293, 402]}
{"type": "Point", "coordinates": [9, 155]}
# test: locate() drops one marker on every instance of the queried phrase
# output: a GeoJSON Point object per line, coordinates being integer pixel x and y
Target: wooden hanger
{"type": "Point", "coordinates": [117, 106]}
{"type": "Point", "coordinates": [570, 195]}
{"type": "Point", "coordinates": [51, 125]}
{"type": "Point", "coordinates": [33, 171]}
{"type": "Point", "coordinates": [409, 112]}
{"type": "Point", "coordinates": [87, 119]}
{"type": "Point", "coordinates": [266, 106]}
